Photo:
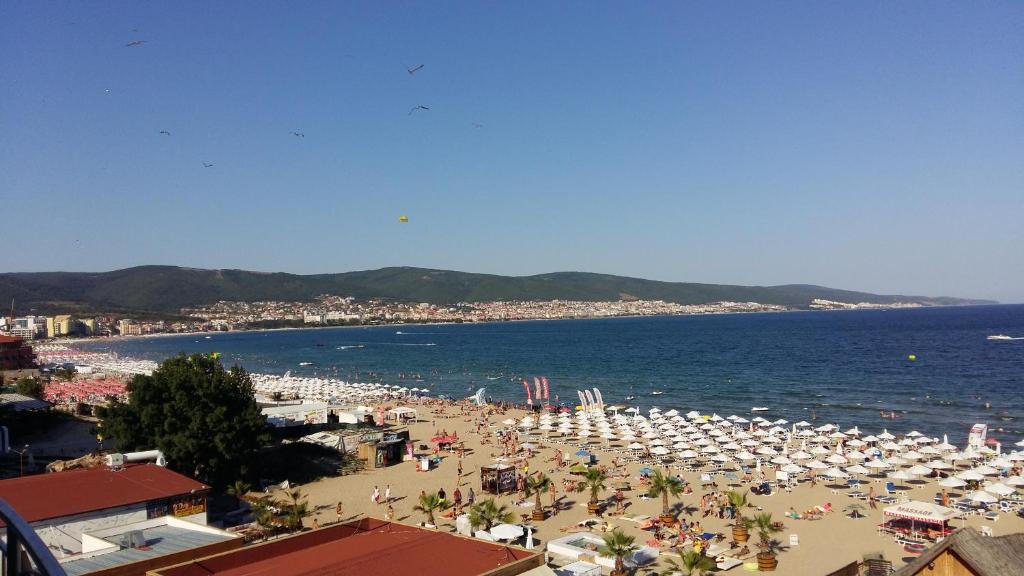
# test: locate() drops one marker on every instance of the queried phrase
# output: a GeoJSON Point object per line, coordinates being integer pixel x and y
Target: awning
{"type": "Point", "coordinates": [922, 512]}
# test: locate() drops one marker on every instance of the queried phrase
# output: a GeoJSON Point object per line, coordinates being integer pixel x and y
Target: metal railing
{"type": "Point", "coordinates": [24, 553]}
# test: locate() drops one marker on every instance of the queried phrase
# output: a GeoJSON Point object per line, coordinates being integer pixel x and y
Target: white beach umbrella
{"type": "Point", "coordinates": [885, 435]}
{"type": "Point", "coordinates": [659, 451]}
{"type": "Point", "coordinates": [745, 456]}
{"type": "Point", "coordinates": [507, 531]}
{"type": "Point", "coordinates": [982, 496]}
{"type": "Point", "coordinates": [986, 470]}
{"type": "Point", "coordinates": [836, 459]}
{"type": "Point", "coordinates": [801, 455]}
{"type": "Point", "coordinates": [635, 446]}
{"type": "Point", "coordinates": [970, 475]}
{"type": "Point", "coordinates": [900, 475]}
{"type": "Point", "coordinates": [721, 458]}
{"type": "Point", "coordinates": [835, 473]}
{"type": "Point", "coordinates": [687, 454]}
{"type": "Point", "coordinates": [929, 450]}
{"type": "Point", "coordinates": [919, 470]}
{"type": "Point", "coordinates": [781, 460]}
{"type": "Point", "coordinates": [820, 451]}
{"type": "Point", "coordinates": [857, 443]}
{"type": "Point", "coordinates": [816, 465]}
{"type": "Point", "coordinates": [871, 438]}
{"type": "Point", "coordinates": [913, 455]}
{"type": "Point", "coordinates": [952, 482]}
{"type": "Point", "coordinates": [1001, 462]}
{"type": "Point", "coordinates": [877, 464]}
{"type": "Point", "coordinates": [792, 469]}
{"type": "Point", "coordinates": [858, 469]}
{"type": "Point", "coordinates": [1014, 481]}
{"type": "Point", "coordinates": [999, 489]}
{"type": "Point", "coordinates": [937, 465]}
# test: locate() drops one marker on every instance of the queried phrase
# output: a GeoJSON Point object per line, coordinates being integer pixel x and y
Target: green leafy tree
{"type": "Point", "coordinates": [203, 417]}
{"type": "Point", "coordinates": [738, 500]}
{"type": "Point", "coordinates": [663, 485]}
{"type": "Point", "coordinates": [693, 564]}
{"type": "Point", "coordinates": [239, 489]}
{"type": "Point", "coordinates": [487, 513]}
{"type": "Point", "coordinates": [766, 528]}
{"type": "Point", "coordinates": [537, 485]}
{"type": "Point", "coordinates": [618, 544]}
{"type": "Point", "coordinates": [30, 387]}
{"type": "Point", "coordinates": [593, 480]}
{"type": "Point", "coordinates": [430, 503]}
{"type": "Point", "coordinates": [296, 509]}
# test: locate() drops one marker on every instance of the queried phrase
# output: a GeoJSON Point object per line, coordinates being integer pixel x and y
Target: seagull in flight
{"type": "Point", "coordinates": [298, 134]}
{"type": "Point", "coordinates": [205, 165]}
{"type": "Point", "coordinates": [165, 132]}
{"type": "Point", "coordinates": [412, 71]}
{"type": "Point", "coordinates": [136, 43]}
{"type": "Point", "coordinates": [415, 108]}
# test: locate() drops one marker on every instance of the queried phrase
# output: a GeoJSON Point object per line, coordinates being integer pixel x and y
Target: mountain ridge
{"type": "Point", "coordinates": [167, 289]}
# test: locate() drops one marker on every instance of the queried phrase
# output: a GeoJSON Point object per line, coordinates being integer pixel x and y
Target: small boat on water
{"type": "Point", "coordinates": [759, 409]}
{"type": "Point", "coordinates": [657, 393]}
{"type": "Point", "coordinates": [1003, 337]}
{"type": "Point", "coordinates": [305, 363]}
{"type": "Point", "coordinates": [630, 398]}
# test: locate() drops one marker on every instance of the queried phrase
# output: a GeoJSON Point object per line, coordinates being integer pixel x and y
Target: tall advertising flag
{"type": "Point", "coordinates": [526, 386]}
{"type": "Point", "coordinates": [536, 383]}
{"type": "Point", "coordinates": [544, 380]}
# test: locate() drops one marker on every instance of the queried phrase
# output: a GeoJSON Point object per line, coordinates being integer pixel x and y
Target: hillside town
{"type": "Point", "coordinates": [333, 310]}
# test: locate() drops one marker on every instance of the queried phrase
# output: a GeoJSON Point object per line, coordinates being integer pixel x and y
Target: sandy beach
{"type": "Point", "coordinates": [824, 545]}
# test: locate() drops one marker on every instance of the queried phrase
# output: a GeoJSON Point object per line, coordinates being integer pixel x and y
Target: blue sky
{"type": "Point", "coordinates": [872, 146]}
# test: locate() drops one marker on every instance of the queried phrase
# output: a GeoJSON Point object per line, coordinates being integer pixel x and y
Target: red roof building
{"type": "Point", "coordinates": [76, 492]}
{"type": "Point", "coordinates": [15, 354]}
{"type": "Point", "coordinates": [367, 547]}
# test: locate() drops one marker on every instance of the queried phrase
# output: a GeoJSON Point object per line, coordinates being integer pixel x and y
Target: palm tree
{"type": "Point", "coordinates": [593, 480]}
{"type": "Point", "coordinates": [296, 510]}
{"type": "Point", "coordinates": [239, 489]}
{"type": "Point", "coordinates": [738, 500]}
{"type": "Point", "coordinates": [537, 485]}
{"type": "Point", "coordinates": [429, 503]}
{"type": "Point", "coordinates": [619, 545]}
{"type": "Point", "coordinates": [693, 563]}
{"type": "Point", "coordinates": [663, 485]}
{"type": "Point", "coordinates": [263, 514]}
{"type": "Point", "coordinates": [765, 528]}
{"type": "Point", "coordinates": [487, 513]}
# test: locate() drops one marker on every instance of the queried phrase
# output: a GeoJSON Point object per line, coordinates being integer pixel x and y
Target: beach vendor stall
{"type": "Point", "coordinates": [498, 478]}
{"type": "Point", "coordinates": [382, 453]}
{"type": "Point", "coordinates": [445, 440]}
{"type": "Point", "coordinates": [916, 522]}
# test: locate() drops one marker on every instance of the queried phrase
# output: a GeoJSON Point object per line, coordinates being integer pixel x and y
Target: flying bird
{"type": "Point", "coordinates": [205, 165]}
{"type": "Point", "coordinates": [412, 71]}
{"type": "Point", "coordinates": [136, 43]}
{"type": "Point", "coordinates": [298, 134]}
{"type": "Point", "coordinates": [165, 132]}
{"type": "Point", "coordinates": [415, 108]}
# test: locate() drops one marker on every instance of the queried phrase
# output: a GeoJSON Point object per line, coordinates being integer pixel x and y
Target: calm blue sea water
{"type": "Point", "coordinates": [831, 366]}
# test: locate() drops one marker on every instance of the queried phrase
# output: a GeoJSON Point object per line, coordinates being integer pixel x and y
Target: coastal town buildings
{"type": "Point", "coordinates": [15, 354]}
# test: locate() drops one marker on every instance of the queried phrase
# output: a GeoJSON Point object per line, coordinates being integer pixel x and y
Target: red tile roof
{"type": "Point", "coordinates": [58, 494]}
{"type": "Point", "coordinates": [11, 340]}
{"type": "Point", "coordinates": [367, 547]}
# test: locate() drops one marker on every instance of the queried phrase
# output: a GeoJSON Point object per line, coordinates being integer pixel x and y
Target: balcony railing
{"type": "Point", "coordinates": [24, 554]}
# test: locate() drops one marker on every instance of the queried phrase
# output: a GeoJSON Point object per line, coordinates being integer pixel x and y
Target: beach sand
{"type": "Point", "coordinates": [824, 545]}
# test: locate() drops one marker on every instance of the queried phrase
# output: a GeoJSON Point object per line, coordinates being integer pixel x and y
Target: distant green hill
{"type": "Point", "coordinates": [167, 289]}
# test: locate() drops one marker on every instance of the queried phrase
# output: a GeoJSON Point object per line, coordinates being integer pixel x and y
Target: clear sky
{"type": "Point", "coordinates": [876, 146]}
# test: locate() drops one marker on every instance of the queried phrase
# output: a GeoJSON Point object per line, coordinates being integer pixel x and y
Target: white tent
{"type": "Point", "coordinates": [402, 414]}
{"type": "Point", "coordinates": [922, 512]}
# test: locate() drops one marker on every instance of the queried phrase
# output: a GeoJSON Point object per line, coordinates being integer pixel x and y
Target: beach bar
{"type": "Point", "coordinates": [498, 478]}
{"type": "Point", "coordinates": [906, 516]}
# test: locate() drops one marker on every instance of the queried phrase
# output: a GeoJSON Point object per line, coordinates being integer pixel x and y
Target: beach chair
{"type": "Point", "coordinates": [878, 567]}
{"type": "Point", "coordinates": [890, 488]}
{"type": "Point", "coordinates": [852, 483]}
{"type": "Point", "coordinates": [991, 515]}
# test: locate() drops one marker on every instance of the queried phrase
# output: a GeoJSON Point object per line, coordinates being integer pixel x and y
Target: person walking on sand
{"type": "Point", "coordinates": [339, 510]}
{"type": "Point", "coordinates": [376, 495]}
{"type": "Point", "coordinates": [552, 490]}
{"type": "Point", "coordinates": [390, 515]}
{"type": "Point", "coordinates": [871, 498]}
{"type": "Point", "coordinates": [387, 494]}
{"type": "Point", "coordinates": [457, 498]}
{"type": "Point", "coordinates": [471, 497]}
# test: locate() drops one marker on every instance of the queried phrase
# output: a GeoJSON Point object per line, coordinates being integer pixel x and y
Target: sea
{"type": "Point", "coordinates": [934, 368]}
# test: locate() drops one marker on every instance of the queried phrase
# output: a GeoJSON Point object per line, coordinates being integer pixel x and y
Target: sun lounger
{"type": "Point", "coordinates": [726, 564]}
